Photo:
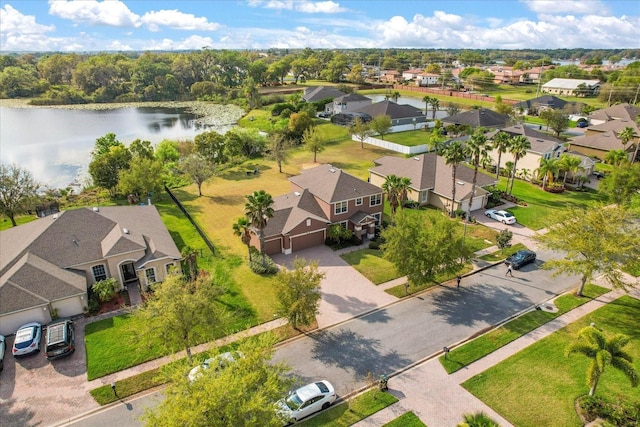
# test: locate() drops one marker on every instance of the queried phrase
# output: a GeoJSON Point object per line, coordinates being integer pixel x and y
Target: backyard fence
{"type": "Point", "coordinates": [191, 220]}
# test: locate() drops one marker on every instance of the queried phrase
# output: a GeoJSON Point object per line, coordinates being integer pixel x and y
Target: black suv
{"type": "Point", "coordinates": [60, 339]}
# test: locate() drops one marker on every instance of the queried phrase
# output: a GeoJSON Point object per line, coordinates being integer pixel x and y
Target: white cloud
{"type": "Point", "coordinates": [14, 22]}
{"type": "Point", "coordinates": [303, 6]}
{"type": "Point", "coordinates": [319, 7]}
{"type": "Point", "coordinates": [177, 20]}
{"type": "Point", "coordinates": [579, 7]}
{"type": "Point", "coordinates": [117, 45]}
{"type": "Point", "coordinates": [112, 13]}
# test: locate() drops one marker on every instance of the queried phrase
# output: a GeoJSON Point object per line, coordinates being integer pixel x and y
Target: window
{"type": "Point", "coordinates": [425, 194]}
{"type": "Point", "coordinates": [344, 224]}
{"type": "Point", "coordinates": [341, 207]}
{"type": "Point", "coordinates": [308, 222]}
{"type": "Point", "coordinates": [358, 201]}
{"type": "Point", "coordinates": [376, 200]}
{"type": "Point", "coordinates": [377, 217]}
{"type": "Point", "coordinates": [99, 273]}
{"type": "Point", "coordinates": [150, 273]}
{"type": "Point", "coordinates": [168, 267]}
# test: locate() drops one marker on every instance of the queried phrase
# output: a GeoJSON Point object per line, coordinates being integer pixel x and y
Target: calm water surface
{"type": "Point", "coordinates": [55, 144]}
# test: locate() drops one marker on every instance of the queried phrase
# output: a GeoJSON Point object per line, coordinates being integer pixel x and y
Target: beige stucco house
{"type": "Point", "coordinates": [48, 266]}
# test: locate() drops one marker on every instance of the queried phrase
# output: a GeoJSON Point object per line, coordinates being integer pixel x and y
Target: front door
{"type": "Point", "coordinates": [128, 272]}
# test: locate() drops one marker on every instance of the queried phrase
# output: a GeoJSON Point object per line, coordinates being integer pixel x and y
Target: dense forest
{"type": "Point", "coordinates": [71, 78]}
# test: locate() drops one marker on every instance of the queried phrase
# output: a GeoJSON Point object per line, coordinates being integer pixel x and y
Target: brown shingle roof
{"type": "Point", "coordinates": [616, 112]}
{"type": "Point", "coordinates": [605, 141]}
{"type": "Point", "coordinates": [292, 209]}
{"type": "Point", "coordinates": [332, 185]}
{"type": "Point", "coordinates": [540, 142]}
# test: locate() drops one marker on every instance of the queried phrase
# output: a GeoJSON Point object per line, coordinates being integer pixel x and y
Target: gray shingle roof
{"type": "Point", "coordinates": [480, 117]}
{"type": "Point", "coordinates": [548, 101]}
{"type": "Point", "coordinates": [331, 184]}
{"type": "Point", "coordinates": [321, 92]}
{"type": "Point", "coordinates": [605, 141]}
{"type": "Point", "coordinates": [616, 112]}
{"type": "Point", "coordinates": [540, 142]}
{"type": "Point", "coordinates": [391, 109]}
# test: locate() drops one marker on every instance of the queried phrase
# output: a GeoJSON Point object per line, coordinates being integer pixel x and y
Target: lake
{"type": "Point", "coordinates": [55, 144]}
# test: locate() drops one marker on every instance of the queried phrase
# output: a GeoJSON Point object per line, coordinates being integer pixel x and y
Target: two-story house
{"type": "Point", "coordinates": [320, 197]}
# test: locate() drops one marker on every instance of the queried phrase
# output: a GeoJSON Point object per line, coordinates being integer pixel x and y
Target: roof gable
{"type": "Point", "coordinates": [391, 109]}
{"type": "Point", "coordinates": [481, 117]}
{"type": "Point", "coordinates": [331, 184]}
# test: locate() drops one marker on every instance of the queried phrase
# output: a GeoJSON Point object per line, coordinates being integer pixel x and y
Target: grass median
{"type": "Point", "coordinates": [483, 345]}
{"type": "Point", "coordinates": [353, 410]}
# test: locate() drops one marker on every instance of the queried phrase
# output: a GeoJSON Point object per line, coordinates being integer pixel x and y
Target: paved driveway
{"type": "Point", "coordinates": [35, 392]}
{"type": "Point", "coordinates": [345, 292]}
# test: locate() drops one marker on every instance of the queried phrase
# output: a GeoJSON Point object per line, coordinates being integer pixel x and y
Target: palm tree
{"type": "Point", "coordinates": [547, 170]}
{"type": "Point", "coordinates": [477, 149]}
{"type": "Point", "coordinates": [626, 135]}
{"type": "Point", "coordinates": [602, 352]}
{"type": "Point", "coordinates": [390, 186]}
{"type": "Point", "coordinates": [259, 210]}
{"type": "Point", "coordinates": [453, 155]}
{"type": "Point", "coordinates": [569, 164]}
{"type": "Point", "coordinates": [242, 228]}
{"type": "Point", "coordinates": [403, 188]}
{"type": "Point", "coordinates": [395, 95]}
{"type": "Point", "coordinates": [616, 157]}
{"type": "Point", "coordinates": [434, 105]}
{"type": "Point", "coordinates": [427, 100]}
{"type": "Point", "coordinates": [501, 141]}
{"type": "Point", "coordinates": [479, 419]}
{"type": "Point", "coordinates": [518, 149]}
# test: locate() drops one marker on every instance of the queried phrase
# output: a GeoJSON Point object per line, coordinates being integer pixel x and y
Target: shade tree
{"type": "Point", "coordinates": [18, 191]}
{"type": "Point", "coordinates": [298, 292]}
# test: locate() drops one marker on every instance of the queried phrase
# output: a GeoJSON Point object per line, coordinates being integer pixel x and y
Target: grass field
{"type": "Point", "coordinates": [353, 410]}
{"type": "Point", "coordinates": [543, 207]}
{"type": "Point", "coordinates": [409, 138]}
{"type": "Point", "coordinates": [538, 385]}
{"type": "Point", "coordinates": [408, 419]}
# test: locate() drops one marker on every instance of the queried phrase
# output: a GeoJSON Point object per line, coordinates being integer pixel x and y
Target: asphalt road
{"type": "Point", "coordinates": [395, 337]}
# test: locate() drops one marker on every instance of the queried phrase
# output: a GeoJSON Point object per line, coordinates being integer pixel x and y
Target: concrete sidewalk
{"type": "Point", "coordinates": [438, 399]}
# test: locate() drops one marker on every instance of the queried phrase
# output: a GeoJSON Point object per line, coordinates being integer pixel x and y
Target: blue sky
{"type": "Point", "coordinates": [87, 25]}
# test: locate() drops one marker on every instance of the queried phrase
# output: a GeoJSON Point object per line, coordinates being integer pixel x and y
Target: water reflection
{"type": "Point", "coordinates": [55, 144]}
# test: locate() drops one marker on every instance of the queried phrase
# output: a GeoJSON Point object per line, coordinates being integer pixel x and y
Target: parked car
{"type": "Point", "coordinates": [502, 216]}
{"type": "Point", "coordinates": [599, 174]}
{"type": "Point", "coordinates": [582, 124]}
{"type": "Point", "coordinates": [306, 400]}
{"type": "Point", "coordinates": [3, 347]}
{"type": "Point", "coordinates": [27, 339]}
{"type": "Point", "coordinates": [521, 258]}
{"type": "Point", "coordinates": [217, 362]}
{"type": "Point", "coordinates": [60, 339]}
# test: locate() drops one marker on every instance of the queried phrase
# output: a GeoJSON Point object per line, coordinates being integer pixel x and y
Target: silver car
{"type": "Point", "coordinates": [27, 339]}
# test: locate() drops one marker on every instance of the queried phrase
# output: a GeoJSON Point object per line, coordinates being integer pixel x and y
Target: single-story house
{"type": "Point", "coordinates": [321, 196]}
{"type": "Point", "coordinates": [401, 114]}
{"type": "Point", "coordinates": [618, 112]}
{"type": "Point", "coordinates": [313, 94]}
{"type": "Point", "coordinates": [546, 102]}
{"type": "Point", "coordinates": [571, 87]}
{"type": "Point", "coordinates": [48, 266]}
{"type": "Point", "coordinates": [542, 146]}
{"type": "Point", "coordinates": [431, 181]}
{"type": "Point", "coordinates": [347, 103]}
{"type": "Point", "coordinates": [598, 144]}
{"type": "Point", "coordinates": [481, 117]}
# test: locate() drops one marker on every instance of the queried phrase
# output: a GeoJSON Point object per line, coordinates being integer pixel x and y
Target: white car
{"type": "Point", "coordinates": [27, 339]}
{"type": "Point", "coordinates": [306, 400]}
{"type": "Point", "coordinates": [502, 216]}
{"type": "Point", "coordinates": [218, 362]}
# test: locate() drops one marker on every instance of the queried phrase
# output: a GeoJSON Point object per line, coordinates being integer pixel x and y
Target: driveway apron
{"type": "Point", "coordinates": [345, 292]}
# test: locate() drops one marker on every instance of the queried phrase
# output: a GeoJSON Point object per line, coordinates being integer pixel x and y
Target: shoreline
{"type": "Point", "coordinates": [207, 113]}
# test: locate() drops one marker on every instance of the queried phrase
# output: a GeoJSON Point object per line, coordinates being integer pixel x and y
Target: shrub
{"type": "Point", "coordinates": [106, 289]}
{"type": "Point", "coordinates": [620, 413]}
{"type": "Point", "coordinates": [269, 266]}
{"type": "Point", "coordinates": [94, 305]}
{"type": "Point", "coordinates": [374, 244]}
{"type": "Point", "coordinates": [460, 213]}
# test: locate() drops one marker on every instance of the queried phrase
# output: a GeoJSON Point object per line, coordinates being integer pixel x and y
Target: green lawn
{"type": "Point", "coordinates": [353, 410]}
{"type": "Point", "coordinates": [485, 344]}
{"type": "Point", "coordinates": [538, 385]}
{"type": "Point", "coordinates": [408, 419]}
{"type": "Point", "coordinates": [543, 207]}
{"type": "Point", "coordinates": [369, 263]}
{"type": "Point", "coordinates": [409, 138]}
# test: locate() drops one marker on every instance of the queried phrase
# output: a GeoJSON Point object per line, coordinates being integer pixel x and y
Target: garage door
{"type": "Point", "coordinates": [305, 241]}
{"type": "Point", "coordinates": [10, 323]}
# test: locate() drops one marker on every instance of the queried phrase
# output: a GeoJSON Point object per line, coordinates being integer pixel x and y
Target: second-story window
{"type": "Point", "coordinates": [358, 201]}
{"type": "Point", "coordinates": [376, 200]}
{"type": "Point", "coordinates": [341, 207]}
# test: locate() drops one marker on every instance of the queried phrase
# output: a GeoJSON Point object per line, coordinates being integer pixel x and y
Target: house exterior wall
{"type": "Point", "coordinates": [349, 106]}
{"type": "Point", "coordinates": [591, 152]}
{"type": "Point", "coordinates": [9, 323]}
{"type": "Point", "coordinates": [352, 208]}
{"type": "Point", "coordinates": [70, 306]}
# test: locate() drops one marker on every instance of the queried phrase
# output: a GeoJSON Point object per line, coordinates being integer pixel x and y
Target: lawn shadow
{"type": "Point", "coordinates": [351, 351]}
